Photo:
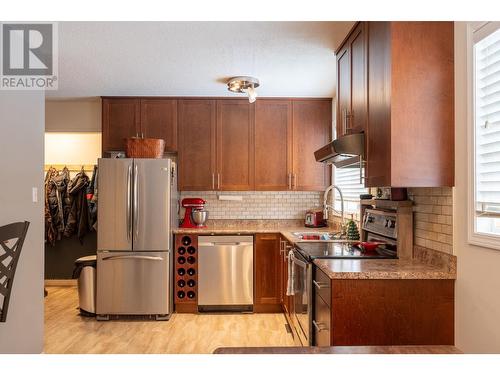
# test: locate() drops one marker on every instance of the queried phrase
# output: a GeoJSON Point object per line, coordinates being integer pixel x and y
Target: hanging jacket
{"type": "Point", "coordinates": [58, 201]}
{"type": "Point", "coordinates": [50, 231]}
{"type": "Point", "coordinates": [78, 216]}
{"type": "Point", "coordinates": [92, 199]}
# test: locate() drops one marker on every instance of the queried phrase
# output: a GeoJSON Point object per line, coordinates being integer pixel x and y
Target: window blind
{"type": "Point", "coordinates": [487, 124]}
{"type": "Point", "coordinates": [347, 179]}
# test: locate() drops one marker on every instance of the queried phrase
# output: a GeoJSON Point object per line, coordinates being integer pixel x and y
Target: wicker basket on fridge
{"type": "Point", "coordinates": [149, 148]}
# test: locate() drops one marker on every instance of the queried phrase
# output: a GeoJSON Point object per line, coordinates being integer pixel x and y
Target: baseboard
{"type": "Point", "coordinates": [267, 309]}
{"type": "Point", "coordinates": [61, 282]}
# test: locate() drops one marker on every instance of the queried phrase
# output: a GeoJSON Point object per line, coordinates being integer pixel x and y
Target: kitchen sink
{"type": "Point", "coordinates": [318, 236]}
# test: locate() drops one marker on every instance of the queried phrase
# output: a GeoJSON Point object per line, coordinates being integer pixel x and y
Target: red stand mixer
{"type": "Point", "coordinates": [192, 204]}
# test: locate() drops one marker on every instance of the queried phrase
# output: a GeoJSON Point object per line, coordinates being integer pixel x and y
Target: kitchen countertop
{"type": "Point", "coordinates": [284, 227]}
{"type": "Point", "coordinates": [381, 269]}
{"type": "Point", "coordinates": [335, 268]}
{"type": "Point", "coordinates": [422, 349]}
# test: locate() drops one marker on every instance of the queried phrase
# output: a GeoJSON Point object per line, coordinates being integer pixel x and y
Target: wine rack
{"type": "Point", "coordinates": [186, 273]}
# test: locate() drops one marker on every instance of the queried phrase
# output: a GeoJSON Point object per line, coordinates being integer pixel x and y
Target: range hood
{"type": "Point", "coordinates": [347, 151]}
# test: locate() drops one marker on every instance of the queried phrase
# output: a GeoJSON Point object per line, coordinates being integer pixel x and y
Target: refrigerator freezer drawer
{"type": "Point", "coordinates": [130, 283]}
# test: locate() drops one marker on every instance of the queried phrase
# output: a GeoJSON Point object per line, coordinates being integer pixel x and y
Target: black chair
{"type": "Point", "coordinates": [9, 256]}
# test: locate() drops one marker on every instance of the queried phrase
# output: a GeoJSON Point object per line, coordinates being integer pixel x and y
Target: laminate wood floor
{"type": "Point", "coordinates": [67, 332]}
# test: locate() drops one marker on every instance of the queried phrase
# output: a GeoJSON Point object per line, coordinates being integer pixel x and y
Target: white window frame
{"type": "Point", "coordinates": [475, 31]}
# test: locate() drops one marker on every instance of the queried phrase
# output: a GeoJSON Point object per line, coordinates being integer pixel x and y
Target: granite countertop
{"type": "Point", "coordinates": [428, 264]}
{"type": "Point", "coordinates": [382, 269]}
{"type": "Point", "coordinates": [411, 349]}
{"type": "Point", "coordinates": [284, 227]}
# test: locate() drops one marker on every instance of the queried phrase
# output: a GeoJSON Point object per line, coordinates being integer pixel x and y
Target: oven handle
{"type": "Point", "coordinates": [299, 262]}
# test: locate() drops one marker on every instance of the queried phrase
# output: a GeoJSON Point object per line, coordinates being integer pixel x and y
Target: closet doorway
{"type": "Point", "coordinates": [72, 147]}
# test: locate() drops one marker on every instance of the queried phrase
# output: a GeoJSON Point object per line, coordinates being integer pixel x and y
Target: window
{"type": "Point", "coordinates": [484, 199]}
{"type": "Point", "coordinates": [347, 179]}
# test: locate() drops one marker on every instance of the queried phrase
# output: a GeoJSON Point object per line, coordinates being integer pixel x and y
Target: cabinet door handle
{"type": "Point", "coordinates": [218, 181]}
{"type": "Point", "coordinates": [294, 185]}
{"type": "Point", "coordinates": [348, 120]}
{"type": "Point", "coordinates": [321, 285]}
{"type": "Point", "coordinates": [289, 181]}
{"type": "Point", "coordinates": [344, 121]}
{"type": "Point", "coordinates": [320, 326]}
{"type": "Point", "coordinates": [213, 181]}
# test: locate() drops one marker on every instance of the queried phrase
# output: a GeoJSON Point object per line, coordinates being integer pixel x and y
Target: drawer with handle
{"type": "Point", "coordinates": [322, 285]}
{"type": "Point", "coordinates": [321, 322]}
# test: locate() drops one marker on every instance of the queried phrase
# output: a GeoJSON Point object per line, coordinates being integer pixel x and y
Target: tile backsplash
{"type": "Point", "coordinates": [433, 218]}
{"type": "Point", "coordinates": [258, 204]}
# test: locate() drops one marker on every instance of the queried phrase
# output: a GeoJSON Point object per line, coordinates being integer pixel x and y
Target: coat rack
{"type": "Point", "coordinates": [71, 167]}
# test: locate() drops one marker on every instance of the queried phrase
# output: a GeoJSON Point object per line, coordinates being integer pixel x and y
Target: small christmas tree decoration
{"type": "Point", "coordinates": [352, 231]}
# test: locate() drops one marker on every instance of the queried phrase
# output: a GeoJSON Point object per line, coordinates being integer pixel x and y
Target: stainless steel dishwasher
{"type": "Point", "coordinates": [225, 273]}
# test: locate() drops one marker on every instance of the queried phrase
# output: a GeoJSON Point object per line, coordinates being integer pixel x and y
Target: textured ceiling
{"type": "Point", "coordinates": [195, 58]}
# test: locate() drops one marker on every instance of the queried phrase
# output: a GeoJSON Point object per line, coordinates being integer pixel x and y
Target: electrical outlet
{"type": "Point", "coordinates": [34, 193]}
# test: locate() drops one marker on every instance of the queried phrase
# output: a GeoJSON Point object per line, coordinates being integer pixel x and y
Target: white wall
{"type": "Point", "coordinates": [21, 168]}
{"type": "Point", "coordinates": [72, 148]}
{"type": "Point", "coordinates": [82, 115]}
{"type": "Point", "coordinates": [477, 306]}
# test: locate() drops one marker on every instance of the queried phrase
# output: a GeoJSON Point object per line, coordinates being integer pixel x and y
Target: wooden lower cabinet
{"type": "Point", "coordinates": [385, 312]}
{"type": "Point", "coordinates": [267, 275]}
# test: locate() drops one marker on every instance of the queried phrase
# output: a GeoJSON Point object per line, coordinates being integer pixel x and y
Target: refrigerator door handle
{"type": "Point", "coordinates": [129, 198]}
{"type": "Point", "coordinates": [144, 257]}
{"type": "Point", "coordinates": [136, 202]}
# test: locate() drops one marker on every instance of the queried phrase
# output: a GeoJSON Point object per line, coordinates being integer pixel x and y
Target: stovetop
{"type": "Point", "coordinates": [335, 250]}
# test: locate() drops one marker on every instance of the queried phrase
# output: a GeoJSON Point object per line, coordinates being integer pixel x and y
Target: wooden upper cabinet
{"type": "Point", "coordinates": [229, 144]}
{"type": "Point", "coordinates": [356, 120]}
{"type": "Point", "coordinates": [312, 126]}
{"type": "Point", "coordinates": [159, 120]}
{"type": "Point", "coordinates": [235, 145]}
{"type": "Point", "coordinates": [120, 120]}
{"type": "Point", "coordinates": [273, 145]}
{"type": "Point", "coordinates": [267, 273]}
{"type": "Point", "coordinates": [410, 140]}
{"type": "Point", "coordinates": [352, 83]}
{"type": "Point", "coordinates": [343, 90]}
{"type": "Point", "coordinates": [197, 119]}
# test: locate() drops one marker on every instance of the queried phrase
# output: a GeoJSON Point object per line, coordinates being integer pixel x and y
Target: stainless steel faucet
{"type": "Point", "coordinates": [327, 206]}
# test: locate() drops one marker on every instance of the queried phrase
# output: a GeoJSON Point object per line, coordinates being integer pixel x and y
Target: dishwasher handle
{"type": "Point", "coordinates": [213, 241]}
{"type": "Point", "coordinates": [224, 243]}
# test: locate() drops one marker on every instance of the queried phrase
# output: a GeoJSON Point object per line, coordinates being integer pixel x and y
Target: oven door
{"type": "Point", "coordinates": [302, 298]}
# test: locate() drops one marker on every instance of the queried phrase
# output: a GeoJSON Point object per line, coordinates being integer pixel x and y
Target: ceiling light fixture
{"type": "Point", "coordinates": [244, 84]}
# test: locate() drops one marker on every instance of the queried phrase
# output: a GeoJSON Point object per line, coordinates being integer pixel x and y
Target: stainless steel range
{"type": "Point", "coordinates": [301, 259]}
{"type": "Point", "coordinates": [378, 226]}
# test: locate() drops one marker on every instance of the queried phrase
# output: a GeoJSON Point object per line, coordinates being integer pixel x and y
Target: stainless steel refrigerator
{"type": "Point", "coordinates": [136, 214]}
